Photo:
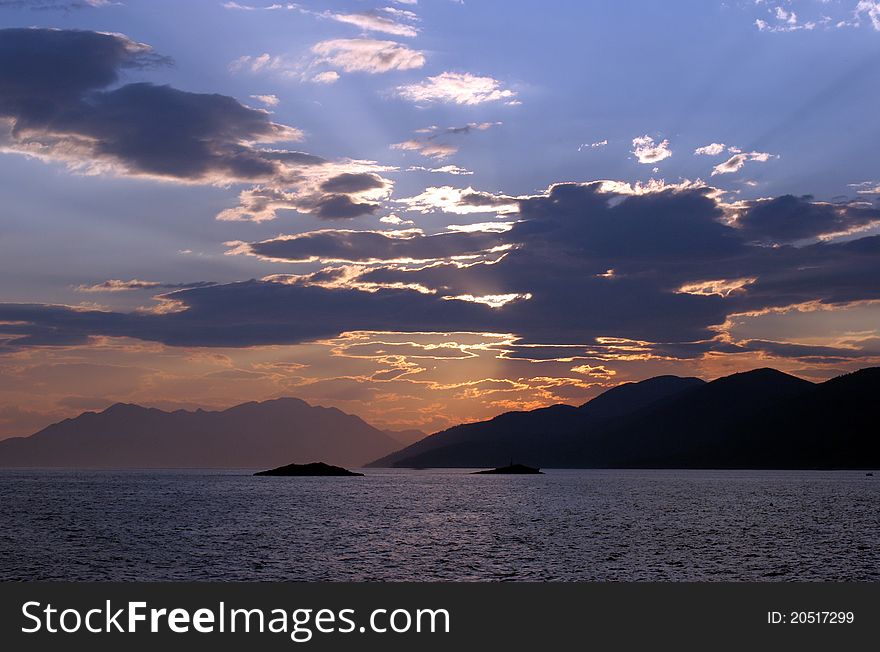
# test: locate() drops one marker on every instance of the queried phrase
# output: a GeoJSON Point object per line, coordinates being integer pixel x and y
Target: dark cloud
{"type": "Point", "coordinates": [789, 219]}
{"type": "Point", "coordinates": [466, 129]}
{"type": "Point", "coordinates": [617, 264]}
{"type": "Point", "coordinates": [662, 268]}
{"type": "Point", "coordinates": [667, 225]}
{"type": "Point", "coordinates": [835, 272]}
{"type": "Point", "coordinates": [353, 182]}
{"type": "Point", "coordinates": [50, 85]}
{"type": "Point", "coordinates": [117, 285]}
{"type": "Point", "coordinates": [363, 246]}
{"type": "Point", "coordinates": [244, 314]}
{"type": "Point", "coordinates": [807, 351]}
{"type": "Point", "coordinates": [58, 101]}
{"type": "Point", "coordinates": [333, 207]}
{"type": "Point", "coordinates": [293, 158]}
{"type": "Point", "coordinates": [43, 70]}
{"type": "Point", "coordinates": [486, 199]}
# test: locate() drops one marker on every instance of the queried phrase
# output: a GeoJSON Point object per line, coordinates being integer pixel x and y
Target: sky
{"type": "Point", "coordinates": [429, 212]}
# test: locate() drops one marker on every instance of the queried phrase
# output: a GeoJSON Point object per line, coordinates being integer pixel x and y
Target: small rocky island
{"type": "Point", "coordinates": [312, 469]}
{"type": "Point", "coordinates": [511, 469]}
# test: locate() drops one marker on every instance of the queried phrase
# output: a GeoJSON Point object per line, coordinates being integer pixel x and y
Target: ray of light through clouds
{"type": "Point", "coordinates": [422, 214]}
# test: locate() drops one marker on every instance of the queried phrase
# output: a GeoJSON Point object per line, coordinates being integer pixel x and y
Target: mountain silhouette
{"type": "Point", "coordinates": [538, 436]}
{"type": "Point", "coordinates": [250, 435]}
{"type": "Point", "coordinates": [757, 419]}
{"type": "Point", "coordinates": [406, 437]}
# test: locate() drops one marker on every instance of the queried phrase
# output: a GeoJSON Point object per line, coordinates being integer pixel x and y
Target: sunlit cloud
{"type": "Point", "coordinates": [487, 227]}
{"type": "Point", "coordinates": [866, 187]}
{"type": "Point", "coordinates": [275, 6]}
{"type": "Point", "coordinates": [318, 190]}
{"type": "Point", "coordinates": [341, 246]}
{"type": "Point", "coordinates": [264, 62]}
{"type": "Point", "coordinates": [820, 15]}
{"type": "Point", "coordinates": [117, 285]}
{"type": "Point", "coordinates": [396, 220]}
{"type": "Point", "coordinates": [736, 162]}
{"type": "Point", "coordinates": [267, 100]}
{"type": "Point", "coordinates": [491, 300]}
{"type": "Point", "coordinates": [443, 169]}
{"type": "Point", "coordinates": [712, 149]}
{"type": "Point", "coordinates": [460, 201]}
{"type": "Point", "coordinates": [212, 139]}
{"type": "Point", "coordinates": [721, 287]}
{"type": "Point", "coordinates": [648, 151]}
{"type": "Point", "coordinates": [367, 55]}
{"type": "Point", "coordinates": [376, 22]}
{"type": "Point", "coordinates": [871, 10]}
{"type": "Point", "coordinates": [599, 371]}
{"type": "Point", "coordinates": [601, 143]}
{"type": "Point", "coordinates": [326, 77]}
{"type": "Point", "coordinates": [457, 88]}
{"type": "Point", "coordinates": [427, 144]}
{"type": "Point", "coordinates": [426, 148]}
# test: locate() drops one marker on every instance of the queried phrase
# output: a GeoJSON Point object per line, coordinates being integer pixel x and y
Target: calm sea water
{"type": "Point", "coordinates": [440, 525]}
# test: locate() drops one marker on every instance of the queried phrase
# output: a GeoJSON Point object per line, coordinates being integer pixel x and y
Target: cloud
{"type": "Point", "coordinates": [456, 88]}
{"type": "Point", "coordinates": [60, 112]}
{"type": "Point", "coordinates": [713, 149]}
{"type": "Point", "coordinates": [601, 143]}
{"type": "Point", "coordinates": [342, 207]}
{"type": "Point", "coordinates": [367, 55]}
{"type": "Point", "coordinates": [871, 9]}
{"type": "Point", "coordinates": [317, 189]}
{"type": "Point", "coordinates": [275, 6]}
{"type": "Point", "coordinates": [326, 77]}
{"type": "Point", "coordinates": [647, 151]}
{"type": "Point", "coordinates": [117, 285]}
{"type": "Point", "coordinates": [444, 169]}
{"type": "Point", "coordinates": [370, 246]}
{"type": "Point", "coordinates": [349, 182]}
{"type": "Point", "coordinates": [785, 21]}
{"type": "Point", "coordinates": [263, 63]}
{"type": "Point", "coordinates": [426, 148]}
{"type": "Point", "coordinates": [427, 145]}
{"type": "Point", "coordinates": [55, 106]}
{"type": "Point", "coordinates": [459, 201]}
{"type": "Point", "coordinates": [867, 187]}
{"type": "Point", "coordinates": [376, 22]}
{"type": "Point", "coordinates": [736, 162]}
{"type": "Point", "coordinates": [396, 220]}
{"type": "Point", "coordinates": [268, 100]}
{"type": "Point", "coordinates": [683, 262]}
{"type": "Point", "coordinates": [388, 20]}
{"type": "Point", "coordinates": [788, 219]}
{"type": "Point", "coordinates": [594, 370]}
{"type": "Point", "coordinates": [435, 131]}
{"type": "Point", "coordinates": [818, 15]}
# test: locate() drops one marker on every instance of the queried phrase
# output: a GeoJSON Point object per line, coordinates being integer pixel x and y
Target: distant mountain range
{"type": "Point", "coordinates": [406, 437]}
{"type": "Point", "coordinates": [250, 435]}
{"type": "Point", "coordinates": [758, 419]}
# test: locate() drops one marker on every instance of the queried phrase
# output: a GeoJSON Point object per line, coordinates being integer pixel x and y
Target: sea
{"type": "Point", "coordinates": [427, 525]}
